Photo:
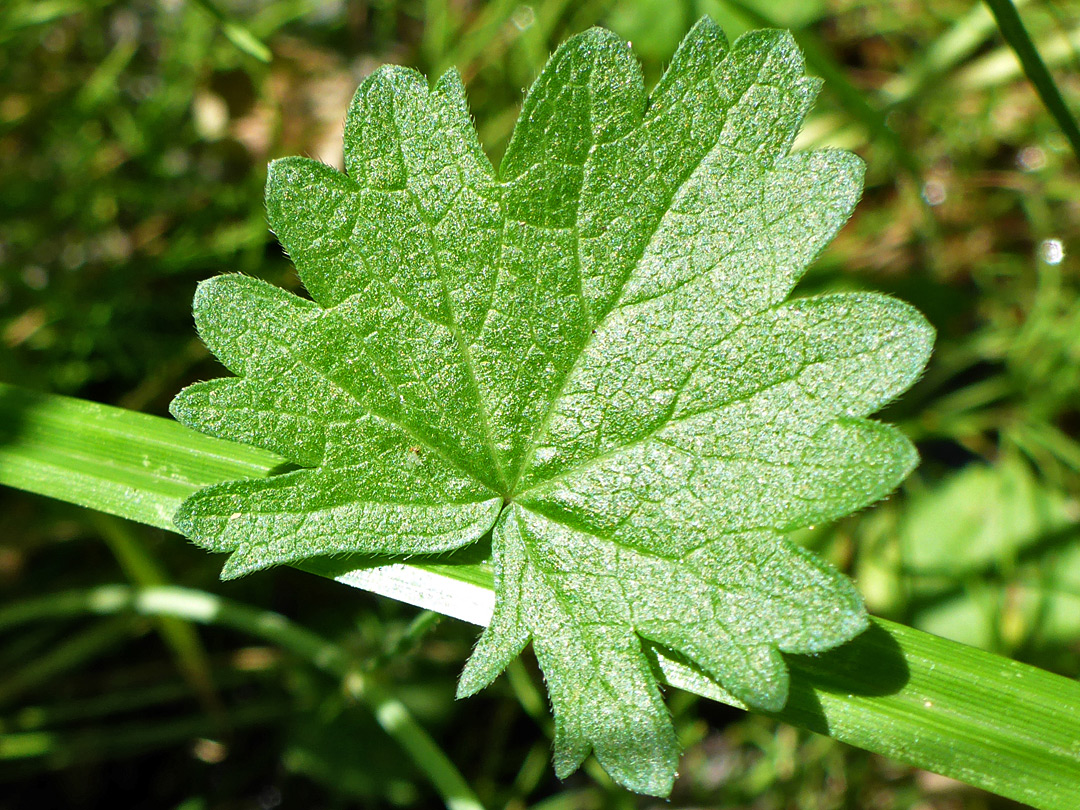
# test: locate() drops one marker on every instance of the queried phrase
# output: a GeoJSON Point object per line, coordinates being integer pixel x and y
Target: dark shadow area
{"type": "Point", "coordinates": [870, 665]}
{"type": "Point", "coordinates": [845, 669]}
{"type": "Point", "coordinates": [284, 467]}
{"type": "Point", "coordinates": [15, 403]}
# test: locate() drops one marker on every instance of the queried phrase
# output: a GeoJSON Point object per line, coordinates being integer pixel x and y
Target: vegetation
{"type": "Point", "coordinates": [129, 186]}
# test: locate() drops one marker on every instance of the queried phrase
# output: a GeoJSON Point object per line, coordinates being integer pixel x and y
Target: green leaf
{"type": "Point", "coordinates": [588, 353]}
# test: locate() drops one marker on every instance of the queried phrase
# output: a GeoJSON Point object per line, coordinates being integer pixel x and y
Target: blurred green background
{"type": "Point", "coordinates": [134, 138]}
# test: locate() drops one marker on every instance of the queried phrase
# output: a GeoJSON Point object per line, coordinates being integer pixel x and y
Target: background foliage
{"type": "Point", "coordinates": [133, 143]}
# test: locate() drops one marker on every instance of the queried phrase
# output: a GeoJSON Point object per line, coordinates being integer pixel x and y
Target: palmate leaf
{"type": "Point", "coordinates": [589, 354]}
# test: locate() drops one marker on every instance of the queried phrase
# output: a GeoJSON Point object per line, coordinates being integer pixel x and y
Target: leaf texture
{"type": "Point", "coordinates": [590, 354]}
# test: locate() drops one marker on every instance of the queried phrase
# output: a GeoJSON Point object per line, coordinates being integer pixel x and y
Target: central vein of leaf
{"type": "Point", "coordinates": [464, 351]}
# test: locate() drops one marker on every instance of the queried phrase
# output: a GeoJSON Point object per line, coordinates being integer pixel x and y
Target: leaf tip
{"type": "Point", "coordinates": [211, 295]}
{"type": "Point", "coordinates": [183, 518]}
{"type": "Point", "coordinates": [475, 676]}
{"type": "Point", "coordinates": [179, 407]}
{"type": "Point", "coordinates": [468, 685]}
{"type": "Point", "coordinates": [191, 524]}
{"type": "Point", "coordinates": [200, 517]}
{"type": "Point", "coordinates": [493, 653]}
{"type": "Point", "coordinates": [238, 565]}
{"type": "Point", "coordinates": [655, 777]}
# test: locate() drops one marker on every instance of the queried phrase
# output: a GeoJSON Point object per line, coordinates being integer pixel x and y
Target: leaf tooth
{"type": "Point", "coordinates": [591, 91]}
{"type": "Point", "coordinates": [703, 48]}
{"type": "Point", "coordinates": [508, 632]}
{"type": "Point", "coordinates": [239, 409]}
{"type": "Point", "coordinates": [613, 708]}
{"type": "Point", "coordinates": [241, 319]}
{"type": "Point", "coordinates": [311, 209]}
{"type": "Point", "coordinates": [569, 746]}
{"type": "Point", "coordinates": [767, 68]}
{"type": "Point", "coordinates": [500, 643]}
{"type": "Point", "coordinates": [746, 663]}
{"type": "Point", "coordinates": [373, 143]}
{"type": "Point", "coordinates": [311, 513]}
{"type": "Point", "coordinates": [799, 602]}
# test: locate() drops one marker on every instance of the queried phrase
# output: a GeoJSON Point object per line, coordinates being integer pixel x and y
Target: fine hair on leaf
{"type": "Point", "coordinates": [589, 353]}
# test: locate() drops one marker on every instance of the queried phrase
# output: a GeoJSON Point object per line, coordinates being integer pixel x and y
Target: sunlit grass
{"type": "Point", "coordinates": [133, 144]}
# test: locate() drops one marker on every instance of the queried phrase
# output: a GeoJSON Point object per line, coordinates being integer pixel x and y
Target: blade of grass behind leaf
{"type": "Point", "coordinates": [237, 34]}
{"type": "Point", "coordinates": [56, 750]}
{"type": "Point", "coordinates": [179, 636]}
{"type": "Point", "coordinates": [1001, 66]}
{"type": "Point", "coordinates": [1000, 725]}
{"type": "Point", "coordinates": [1013, 30]}
{"type": "Point", "coordinates": [205, 608]}
{"type": "Point", "coordinates": [960, 41]}
{"type": "Point", "coordinates": [73, 652]}
{"type": "Point", "coordinates": [107, 706]}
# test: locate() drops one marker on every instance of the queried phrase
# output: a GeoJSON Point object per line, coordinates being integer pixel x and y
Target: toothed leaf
{"type": "Point", "coordinates": [590, 354]}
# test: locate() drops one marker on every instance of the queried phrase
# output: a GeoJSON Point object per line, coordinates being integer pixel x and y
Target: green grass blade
{"type": "Point", "coordinates": [141, 569]}
{"type": "Point", "coordinates": [124, 463]}
{"type": "Point", "coordinates": [205, 608]}
{"type": "Point", "coordinates": [237, 34]}
{"type": "Point", "coordinates": [1003, 726]}
{"type": "Point", "coordinates": [68, 710]}
{"type": "Point", "coordinates": [1001, 66]}
{"type": "Point", "coordinates": [1012, 28]}
{"type": "Point", "coordinates": [63, 749]}
{"type": "Point", "coordinates": [75, 652]}
{"type": "Point", "coordinates": [961, 40]}
{"type": "Point", "coordinates": [19, 16]}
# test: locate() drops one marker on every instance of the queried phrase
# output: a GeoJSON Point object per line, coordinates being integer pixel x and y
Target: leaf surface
{"type": "Point", "coordinates": [589, 353]}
